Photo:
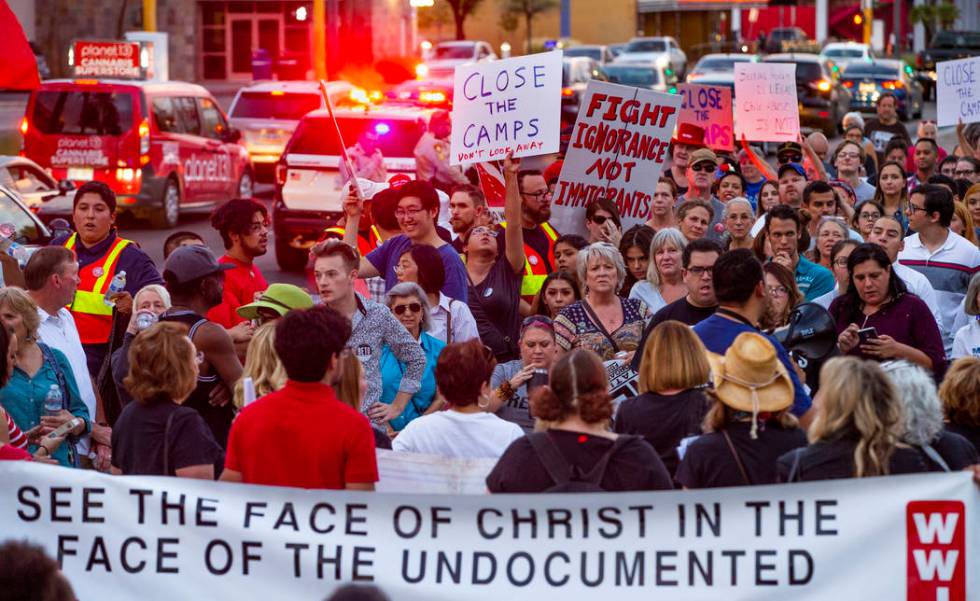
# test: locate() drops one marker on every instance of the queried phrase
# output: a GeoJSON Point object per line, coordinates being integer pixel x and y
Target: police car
{"type": "Point", "coordinates": [309, 188]}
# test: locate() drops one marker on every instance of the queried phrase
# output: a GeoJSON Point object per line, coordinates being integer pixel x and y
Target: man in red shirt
{"type": "Point", "coordinates": [302, 435]}
{"type": "Point", "coordinates": [244, 227]}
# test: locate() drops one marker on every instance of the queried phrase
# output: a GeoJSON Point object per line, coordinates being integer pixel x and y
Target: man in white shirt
{"type": "Point", "coordinates": [51, 278]}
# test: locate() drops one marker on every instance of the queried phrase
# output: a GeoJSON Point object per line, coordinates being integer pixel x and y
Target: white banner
{"type": "Point", "coordinates": [767, 108]}
{"type": "Point", "coordinates": [958, 91]}
{"type": "Point", "coordinates": [617, 150]}
{"type": "Point", "coordinates": [152, 538]}
{"type": "Point", "coordinates": [510, 105]}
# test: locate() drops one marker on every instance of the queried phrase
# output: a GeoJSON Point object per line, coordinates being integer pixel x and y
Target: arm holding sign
{"type": "Point", "coordinates": [353, 207]}
{"type": "Point", "coordinates": [767, 171]}
{"type": "Point", "coordinates": [514, 235]}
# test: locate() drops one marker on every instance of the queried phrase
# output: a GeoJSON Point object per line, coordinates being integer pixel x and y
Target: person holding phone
{"type": "Point", "coordinates": [514, 382]}
{"type": "Point", "coordinates": [878, 319]}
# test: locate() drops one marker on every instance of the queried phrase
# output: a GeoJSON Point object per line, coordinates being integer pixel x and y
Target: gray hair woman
{"type": "Point", "coordinates": [663, 284]}
{"type": "Point", "coordinates": [942, 450]}
{"type": "Point", "coordinates": [410, 305]}
{"type": "Point", "coordinates": [738, 219]}
{"type": "Point", "coordinates": [149, 304]}
{"type": "Point", "coordinates": [830, 230]}
{"type": "Point", "coordinates": [602, 321]}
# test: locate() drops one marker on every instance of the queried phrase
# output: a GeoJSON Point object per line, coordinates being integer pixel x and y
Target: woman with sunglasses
{"type": "Point", "coordinates": [410, 306]}
{"type": "Point", "coordinates": [514, 382]}
{"type": "Point", "coordinates": [450, 318]}
{"type": "Point", "coordinates": [602, 222]}
{"type": "Point", "coordinates": [494, 289]}
{"type": "Point", "coordinates": [892, 192]}
{"type": "Point", "coordinates": [559, 290]}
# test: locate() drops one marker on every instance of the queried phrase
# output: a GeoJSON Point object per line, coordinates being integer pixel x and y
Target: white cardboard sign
{"type": "Point", "coordinates": [958, 91]}
{"type": "Point", "coordinates": [766, 104]}
{"type": "Point", "coordinates": [511, 105]}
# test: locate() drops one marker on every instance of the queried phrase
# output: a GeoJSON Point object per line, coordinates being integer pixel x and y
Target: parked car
{"type": "Point", "coordinates": [867, 81]}
{"type": "Point", "coordinates": [41, 193]}
{"type": "Point", "coordinates": [432, 93]}
{"type": "Point", "coordinates": [162, 147]}
{"type": "Point", "coordinates": [267, 113]}
{"type": "Point", "coordinates": [28, 229]}
{"type": "Point", "coordinates": [446, 56]}
{"type": "Point", "coordinates": [643, 75]}
{"type": "Point", "coordinates": [597, 52]}
{"type": "Point", "coordinates": [945, 46]}
{"type": "Point", "coordinates": [780, 39]}
{"type": "Point", "coordinates": [656, 49]}
{"type": "Point", "coordinates": [617, 49]}
{"type": "Point", "coordinates": [718, 69]}
{"type": "Point", "coordinates": [823, 100]}
{"type": "Point", "coordinates": [844, 53]}
{"type": "Point", "coordinates": [575, 76]}
{"type": "Point", "coordinates": [309, 189]}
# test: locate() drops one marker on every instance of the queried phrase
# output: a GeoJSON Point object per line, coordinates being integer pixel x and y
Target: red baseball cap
{"type": "Point", "coordinates": [689, 134]}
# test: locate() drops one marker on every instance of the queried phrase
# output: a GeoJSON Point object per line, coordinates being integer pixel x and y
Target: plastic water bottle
{"type": "Point", "coordinates": [53, 401]}
{"type": "Point", "coordinates": [17, 251]}
{"type": "Point", "coordinates": [116, 285]}
{"type": "Point", "coordinates": [145, 319]}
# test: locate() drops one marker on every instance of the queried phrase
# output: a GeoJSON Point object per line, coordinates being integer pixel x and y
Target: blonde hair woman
{"type": "Point", "coordinates": [262, 364]}
{"type": "Point", "coordinates": [856, 432]}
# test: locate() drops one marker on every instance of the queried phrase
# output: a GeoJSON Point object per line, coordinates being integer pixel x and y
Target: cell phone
{"type": "Point", "coordinates": [538, 379]}
{"type": "Point", "coordinates": [866, 334]}
{"type": "Point", "coordinates": [65, 428]}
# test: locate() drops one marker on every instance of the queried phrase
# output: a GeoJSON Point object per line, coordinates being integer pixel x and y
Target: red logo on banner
{"type": "Point", "coordinates": [936, 550]}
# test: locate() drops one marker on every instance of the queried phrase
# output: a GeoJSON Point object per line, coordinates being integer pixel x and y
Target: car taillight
{"type": "Point", "coordinates": [848, 84]}
{"type": "Point", "coordinates": [144, 132]}
{"type": "Point", "coordinates": [23, 126]}
{"type": "Point", "coordinates": [821, 85]}
{"type": "Point", "coordinates": [567, 92]}
{"type": "Point", "coordinates": [429, 97]}
{"type": "Point", "coordinates": [128, 175]}
{"type": "Point", "coordinates": [896, 84]}
{"type": "Point", "coordinates": [281, 174]}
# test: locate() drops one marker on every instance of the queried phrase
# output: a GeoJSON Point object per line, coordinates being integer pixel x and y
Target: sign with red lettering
{"type": "Point", "coordinates": [617, 151]}
{"type": "Point", "coordinates": [710, 108]}
{"type": "Point", "coordinates": [106, 59]}
{"type": "Point", "coordinates": [936, 550]}
{"type": "Point", "coordinates": [766, 106]}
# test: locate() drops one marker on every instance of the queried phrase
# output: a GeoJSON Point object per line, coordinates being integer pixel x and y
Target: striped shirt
{"type": "Point", "coordinates": [17, 436]}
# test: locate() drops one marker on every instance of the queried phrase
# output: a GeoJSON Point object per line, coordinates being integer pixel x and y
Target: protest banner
{"type": "Point", "coordinates": [418, 473]}
{"type": "Point", "coordinates": [152, 538]}
{"type": "Point", "coordinates": [766, 105]}
{"type": "Point", "coordinates": [710, 108]}
{"type": "Point", "coordinates": [617, 150]}
{"type": "Point", "coordinates": [958, 91]}
{"type": "Point", "coordinates": [511, 105]}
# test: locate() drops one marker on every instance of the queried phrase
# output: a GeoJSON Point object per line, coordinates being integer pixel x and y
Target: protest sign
{"type": "Point", "coordinates": [766, 105]}
{"type": "Point", "coordinates": [418, 473]}
{"type": "Point", "coordinates": [710, 108]}
{"type": "Point", "coordinates": [511, 105]}
{"type": "Point", "coordinates": [153, 538]}
{"type": "Point", "coordinates": [958, 91]}
{"type": "Point", "coordinates": [617, 151]}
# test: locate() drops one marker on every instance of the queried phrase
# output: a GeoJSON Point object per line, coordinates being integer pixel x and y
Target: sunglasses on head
{"type": "Point", "coordinates": [790, 158]}
{"type": "Point", "coordinates": [413, 307]}
{"type": "Point", "coordinates": [539, 321]}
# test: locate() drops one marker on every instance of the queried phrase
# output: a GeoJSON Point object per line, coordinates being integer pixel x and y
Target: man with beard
{"type": "Point", "coordinates": [467, 209]}
{"type": "Point", "coordinates": [196, 285]}
{"type": "Point", "coordinates": [926, 157]}
{"type": "Point", "coordinates": [539, 235]}
{"type": "Point", "coordinates": [244, 227]}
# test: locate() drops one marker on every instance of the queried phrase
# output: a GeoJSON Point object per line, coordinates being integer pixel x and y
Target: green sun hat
{"type": "Point", "coordinates": [281, 298]}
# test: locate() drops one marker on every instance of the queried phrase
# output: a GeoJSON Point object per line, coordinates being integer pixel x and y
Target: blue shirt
{"type": "Point", "coordinates": [391, 375]}
{"type": "Point", "coordinates": [385, 257]}
{"type": "Point", "coordinates": [752, 192]}
{"type": "Point", "coordinates": [813, 280]}
{"type": "Point", "coordinates": [717, 333]}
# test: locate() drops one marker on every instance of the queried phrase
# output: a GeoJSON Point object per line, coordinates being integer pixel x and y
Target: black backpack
{"type": "Point", "coordinates": [569, 478]}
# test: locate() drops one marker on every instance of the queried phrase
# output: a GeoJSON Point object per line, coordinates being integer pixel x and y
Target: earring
{"type": "Point", "coordinates": [483, 402]}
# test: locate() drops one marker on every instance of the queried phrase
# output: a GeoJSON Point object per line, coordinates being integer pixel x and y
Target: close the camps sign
{"type": "Point", "coordinates": [617, 150]}
{"type": "Point", "coordinates": [148, 538]}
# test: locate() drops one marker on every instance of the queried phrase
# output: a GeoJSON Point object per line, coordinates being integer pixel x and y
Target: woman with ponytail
{"type": "Point", "coordinates": [577, 452]}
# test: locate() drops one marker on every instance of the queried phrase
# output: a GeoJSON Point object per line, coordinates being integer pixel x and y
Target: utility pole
{"type": "Point", "coordinates": [319, 39]}
{"type": "Point", "coordinates": [868, 13]}
{"type": "Point", "coordinates": [149, 15]}
{"type": "Point", "coordinates": [897, 28]}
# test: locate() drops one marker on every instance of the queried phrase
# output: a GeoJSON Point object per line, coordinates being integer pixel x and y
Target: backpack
{"type": "Point", "coordinates": [569, 478]}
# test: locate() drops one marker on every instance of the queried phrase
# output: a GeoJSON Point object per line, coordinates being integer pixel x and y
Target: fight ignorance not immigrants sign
{"type": "Point", "coordinates": [149, 538]}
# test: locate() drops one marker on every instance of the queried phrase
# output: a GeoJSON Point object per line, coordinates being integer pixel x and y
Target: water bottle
{"type": "Point", "coordinates": [53, 401]}
{"type": "Point", "coordinates": [17, 251]}
{"type": "Point", "coordinates": [116, 285]}
{"type": "Point", "coordinates": [145, 319]}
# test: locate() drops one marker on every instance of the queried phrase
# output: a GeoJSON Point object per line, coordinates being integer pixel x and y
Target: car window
{"type": "Point", "coordinates": [646, 46]}
{"type": "Point", "coordinates": [165, 115]}
{"type": "Point", "coordinates": [633, 76]}
{"type": "Point", "coordinates": [454, 52]}
{"type": "Point", "coordinates": [187, 111]}
{"type": "Point", "coordinates": [26, 179]}
{"type": "Point", "coordinates": [212, 121]}
{"type": "Point", "coordinates": [25, 229]}
{"type": "Point", "coordinates": [396, 137]}
{"type": "Point", "coordinates": [289, 106]}
{"type": "Point", "coordinates": [93, 113]}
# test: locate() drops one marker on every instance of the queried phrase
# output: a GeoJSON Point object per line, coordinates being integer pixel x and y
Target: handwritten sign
{"type": "Point", "coordinates": [710, 108]}
{"type": "Point", "coordinates": [617, 151]}
{"type": "Point", "coordinates": [766, 106]}
{"type": "Point", "coordinates": [958, 91]}
{"type": "Point", "coordinates": [511, 105]}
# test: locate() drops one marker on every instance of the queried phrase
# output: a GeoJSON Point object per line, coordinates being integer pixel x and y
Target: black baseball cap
{"type": "Point", "coordinates": [189, 263]}
{"type": "Point", "coordinates": [789, 147]}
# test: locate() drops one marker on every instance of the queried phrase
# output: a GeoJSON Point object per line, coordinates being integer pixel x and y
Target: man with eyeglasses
{"type": "Point", "coordinates": [967, 168]}
{"type": "Point", "coordinates": [926, 156]}
{"type": "Point", "coordinates": [417, 209]}
{"type": "Point", "coordinates": [947, 259]}
{"type": "Point", "coordinates": [701, 168]}
{"type": "Point", "coordinates": [539, 234]}
{"type": "Point", "coordinates": [887, 233]}
{"type": "Point", "coordinates": [783, 230]}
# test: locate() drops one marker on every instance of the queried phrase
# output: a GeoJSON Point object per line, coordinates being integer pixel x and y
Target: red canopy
{"type": "Point", "coordinates": [19, 65]}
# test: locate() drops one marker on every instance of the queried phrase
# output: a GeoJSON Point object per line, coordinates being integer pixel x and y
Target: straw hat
{"type": "Point", "coordinates": [750, 377]}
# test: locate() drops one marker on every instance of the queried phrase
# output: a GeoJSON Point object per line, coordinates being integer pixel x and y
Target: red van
{"type": "Point", "coordinates": [162, 147]}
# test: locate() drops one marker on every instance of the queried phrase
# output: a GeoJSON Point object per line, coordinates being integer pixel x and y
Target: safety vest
{"type": "Point", "coordinates": [535, 266]}
{"type": "Point", "coordinates": [92, 316]}
{"type": "Point", "coordinates": [364, 245]}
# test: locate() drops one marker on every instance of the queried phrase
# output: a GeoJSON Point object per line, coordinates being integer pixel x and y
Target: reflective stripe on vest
{"type": "Point", "coordinates": [364, 245]}
{"type": "Point", "coordinates": [535, 271]}
{"type": "Point", "coordinates": [92, 316]}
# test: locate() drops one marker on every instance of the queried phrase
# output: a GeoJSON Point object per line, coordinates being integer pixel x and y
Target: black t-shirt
{"type": "Point", "coordinates": [680, 310]}
{"type": "Point", "coordinates": [138, 439]}
{"type": "Point", "coordinates": [635, 467]}
{"type": "Point", "coordinates": [538, 240]}
{"type": "Point", "coordinates": [968, 432]}
{"type": "Point", "coordinates": [663, 420]}
{"type": "Point", "coordinates": [495, 304]}
{"type": "Point", "coordinates": [835, 459]}
{"type": "Point", "coordinates": [709, 463]}
{"type": "Point", "coordinates": [881, 134]}
{"type": "Point", "coordinates": [958, 452]}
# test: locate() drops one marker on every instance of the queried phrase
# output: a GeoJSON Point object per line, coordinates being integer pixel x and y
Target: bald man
{"type": "Point", "coordinates": [818, 142]}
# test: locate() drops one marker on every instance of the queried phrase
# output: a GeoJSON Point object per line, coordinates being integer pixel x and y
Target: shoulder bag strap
{"type": "Point", "coordinates": [550, 455]}
{"type": "Point", "coordinates": [598, 322]}
{"type": "Point", "coordinates": [59, 374]}
{"type": "Point", "coordinates": [598, 472]}
{"type": "Point", "coordinates": [166, 443]}
{"type": "Point", "coordinates": [934, 455]}
{"type": "Point", "coordinates": [449, 323]}
{"type": "Point", "coordinates": [738, 460]}
{"type": "Point", "coordinates": [795, 471]}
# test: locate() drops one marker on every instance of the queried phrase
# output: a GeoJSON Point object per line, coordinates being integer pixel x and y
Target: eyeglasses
{"type": "Point", "coordinates": [870, 216]}
{"type": "Point", "coordinates": [848, 155]}
{"type": "Point", "coordinates": [484, 230]}
{"type": "Point", "coordinates": [536, 195]}
{"type": "Point", "coordinates": [913, 209]}
{"type": "Point", "coordinates": [840, 262]}
{"type": "Point", "coordinates": [777, 291]}
{"type": "Point", "coordinates": [410, 212]}
{"type": "Point", "coordinates": [413, 307]}
{"type": "Point", "coordinates": [703, 167]}
{"type": "Point", "coordinates": [257, 226]}
{"type": "Point", "coordinates": [789, 158]}
{"type": "Point", "coordinates": [961, 173]}
{"type": "Point", "coordinates": [699, 271]}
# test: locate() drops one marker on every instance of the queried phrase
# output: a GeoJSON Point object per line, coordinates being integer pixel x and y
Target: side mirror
{"type": "Point", "coordinates": [65, 186]}
{"type": "Point", "coordinates": [233, 135]}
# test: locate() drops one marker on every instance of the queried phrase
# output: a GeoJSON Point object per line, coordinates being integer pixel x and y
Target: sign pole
{"type": "Point", "coordinates": [355, 185]}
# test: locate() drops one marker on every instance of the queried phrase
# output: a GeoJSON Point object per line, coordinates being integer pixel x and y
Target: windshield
{"type": "Point", "coordinates": [396, 137]}
{"type": "Point", "coordinates": [956, 39]}
{"type": "Point", "coordinates": [633, 76]}
{"type": "Point", "coordinates": [647, 46]}
{"type": "Point", "coordinates": [805, 72]}
{"type": "Point", "coordinates": [844, 53]}
{"type": "Point", "coordinates": [454, 51]}
{"type": "Point", "coordinates": [263, 105]}
{"type": "Point", "coordinates": [593, 53]}
{"type": "Point", "coordinates": [719, 63]}
{"type": "Point", "coordinates": [862, 70]}
{"type": "Point", "coordinates": [83, 113]}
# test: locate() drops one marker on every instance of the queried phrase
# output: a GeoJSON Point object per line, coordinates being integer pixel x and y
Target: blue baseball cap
{"type": "Point", "coordinates": [793, 166]}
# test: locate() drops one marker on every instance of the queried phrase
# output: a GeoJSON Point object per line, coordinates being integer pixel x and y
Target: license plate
{"type": "Point", "coordinates": [80, 173]}
{"type": "Point", "coordinates": [867, 88]}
